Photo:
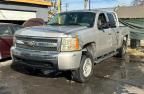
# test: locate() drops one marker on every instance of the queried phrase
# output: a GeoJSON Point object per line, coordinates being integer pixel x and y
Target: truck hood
{"type": "Point", "coordinates": [49, 31]}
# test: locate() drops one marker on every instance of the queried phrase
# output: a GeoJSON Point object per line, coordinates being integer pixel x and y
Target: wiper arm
{"type": "Point", "coordinates": [54, 24]}
{"type": "Point", "coordinates": [72, 24]}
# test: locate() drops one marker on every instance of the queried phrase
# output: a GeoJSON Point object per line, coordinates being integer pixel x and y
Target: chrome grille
{"type": "Point", "coordinates": [47, 44]}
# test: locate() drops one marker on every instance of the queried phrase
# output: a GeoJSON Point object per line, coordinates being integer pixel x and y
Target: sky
{"type": "Point", "coordinates": [79, 4]}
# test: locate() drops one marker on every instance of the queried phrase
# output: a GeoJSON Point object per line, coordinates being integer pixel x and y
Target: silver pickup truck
{"type": "Point", "coordinates": [72, 41]}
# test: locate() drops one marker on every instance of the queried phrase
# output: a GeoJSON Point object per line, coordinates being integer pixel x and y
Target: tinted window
{"type": "Point", "coordinates": [102, 22]}
{"type": "Point", "coordinates": [74, 18]}
{"type": "Point", "coordinates": [112, 21]}
{"type": "Point", "coordinates": [5, 30]}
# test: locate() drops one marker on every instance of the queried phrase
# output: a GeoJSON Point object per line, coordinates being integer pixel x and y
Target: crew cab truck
{"type": "Point", "coordinates": [72, 41]}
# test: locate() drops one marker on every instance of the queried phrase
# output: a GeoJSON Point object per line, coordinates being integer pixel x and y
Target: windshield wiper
{"type": "Point", "coordinates": [73, 24]}
{"type": "Point", "coordinates": [80, 24]}
{"type": "Point", "coordinates": [54, 24]}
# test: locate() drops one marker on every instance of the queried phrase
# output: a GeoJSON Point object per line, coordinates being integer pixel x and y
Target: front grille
{"type": "Point", "coordinates": [47, 44]}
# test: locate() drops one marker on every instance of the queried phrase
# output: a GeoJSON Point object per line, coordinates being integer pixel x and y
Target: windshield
{"type": "Point", "coordinates": [74, 18]}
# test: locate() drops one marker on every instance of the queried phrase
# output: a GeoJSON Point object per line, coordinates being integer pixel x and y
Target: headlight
{"type": "Point", "coordinates": [15, 41]}
{"type": "Point", "coordinates": [70, 44]}
{"type": "Point", "coordinates": [19, 42]}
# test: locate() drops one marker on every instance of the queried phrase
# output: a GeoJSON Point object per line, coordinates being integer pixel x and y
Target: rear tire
{"type": "Point", "coordinates": [122, 50]}
{"type": "Point", "coordinates": [85, 70]}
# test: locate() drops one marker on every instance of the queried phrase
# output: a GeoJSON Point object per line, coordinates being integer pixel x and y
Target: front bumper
{"type": "Point", "coordinates": [61, 61]}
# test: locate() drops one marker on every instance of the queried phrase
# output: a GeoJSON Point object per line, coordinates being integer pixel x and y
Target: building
{"type": "Point", "coordinates": [133, 17]}
{"type": "Point", "coordinates": [18, 11]}
{"type": "Point", "coordinates": [130, 12]}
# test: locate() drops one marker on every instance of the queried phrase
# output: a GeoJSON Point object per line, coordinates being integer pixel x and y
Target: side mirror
{"type": "Point", "coordinates": [112, 24]}
{"type": "Point", "coordinates": [107, 25]}
{"type": "Point", "coordinates": [104, 26]}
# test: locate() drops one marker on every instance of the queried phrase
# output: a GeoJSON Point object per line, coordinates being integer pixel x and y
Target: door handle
{"type": "Point", "coordinates": [109, 34]}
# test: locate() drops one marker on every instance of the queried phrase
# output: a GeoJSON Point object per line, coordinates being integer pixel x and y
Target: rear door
{"type": "Point", "coordinates": [104, 37]}
{"type": "Point", "coordinates": [5, 40]}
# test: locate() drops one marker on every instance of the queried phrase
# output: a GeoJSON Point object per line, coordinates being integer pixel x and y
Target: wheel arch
{"type": "Point", "coordinates": [89, 47]}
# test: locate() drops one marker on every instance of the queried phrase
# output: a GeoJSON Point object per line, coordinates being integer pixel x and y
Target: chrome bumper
{"type": "Point", "coordinates": [63, 60]}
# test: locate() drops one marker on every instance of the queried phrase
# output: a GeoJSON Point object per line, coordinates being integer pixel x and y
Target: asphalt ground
{"type": "Point", "coordinates": [112, 76]}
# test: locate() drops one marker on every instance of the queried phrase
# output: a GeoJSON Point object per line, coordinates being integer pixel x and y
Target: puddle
{"type": "Point", "coordinates": [133, 90]}
{"type": "Point", "coordinates": [123, 67]}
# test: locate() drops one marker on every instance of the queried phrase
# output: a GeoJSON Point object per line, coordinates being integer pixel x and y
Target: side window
{"type": "Point", "coordinates": [112, 21]}
{"type": "Point", "coordinates": [102, 22]}
{"type": "Point", "coordinates": [5, 30]}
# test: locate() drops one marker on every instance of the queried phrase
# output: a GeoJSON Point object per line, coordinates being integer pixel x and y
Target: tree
{"type": "Point", "coordinates": [138, 2]}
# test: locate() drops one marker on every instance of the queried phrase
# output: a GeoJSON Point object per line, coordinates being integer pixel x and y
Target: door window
{"type": "Point", "coordinates": [5, 30]}
{"type": "Point", "coordinates": [102, 22]}
{"type": "Point", "coordinates": [112, 21]}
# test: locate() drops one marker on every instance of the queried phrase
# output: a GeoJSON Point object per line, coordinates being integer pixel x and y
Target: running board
{"type": "Point", "coordinates": [105, 57]}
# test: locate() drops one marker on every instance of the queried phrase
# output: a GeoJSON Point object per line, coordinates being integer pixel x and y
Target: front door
{"type": "Point", "coordinates": [104, 36]}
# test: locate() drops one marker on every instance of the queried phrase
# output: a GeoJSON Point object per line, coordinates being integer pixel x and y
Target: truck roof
{"type": "Point", "coordinates": [94, 11]}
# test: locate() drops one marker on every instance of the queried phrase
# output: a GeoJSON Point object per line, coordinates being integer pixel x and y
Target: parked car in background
{"type": "Point", "coordinates": [34, 22]}
{"type": "Point", "coordinates": [7, 31]}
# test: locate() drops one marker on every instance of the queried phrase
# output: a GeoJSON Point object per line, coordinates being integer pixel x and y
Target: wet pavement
{"type": "Point", "coordinates": [112, 76]}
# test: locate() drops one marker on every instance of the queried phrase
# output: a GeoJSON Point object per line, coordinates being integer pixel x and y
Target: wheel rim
{"type": "Point", "coordinates": [87, 67]}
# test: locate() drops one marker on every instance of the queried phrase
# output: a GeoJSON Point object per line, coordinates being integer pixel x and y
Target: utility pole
{"type": "Point", "coordinates": [67, 5]}
{"type": "Point", "coordinates": [87, 2]}
{"type": "Point", "coordinates": [59, 11]}
{"type": "Point", "coordinates": [59, 6]}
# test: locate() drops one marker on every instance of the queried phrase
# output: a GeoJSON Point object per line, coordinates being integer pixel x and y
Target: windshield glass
{"type": "Point", "coordinates": [74, 18]}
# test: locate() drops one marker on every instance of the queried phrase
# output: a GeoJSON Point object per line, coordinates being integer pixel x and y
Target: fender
{"type": "Point", "coordinates": [90, 47]}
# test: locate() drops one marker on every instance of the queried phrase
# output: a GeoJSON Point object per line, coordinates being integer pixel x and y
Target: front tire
{"type": "Point", "coordinates": [85, 70]}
